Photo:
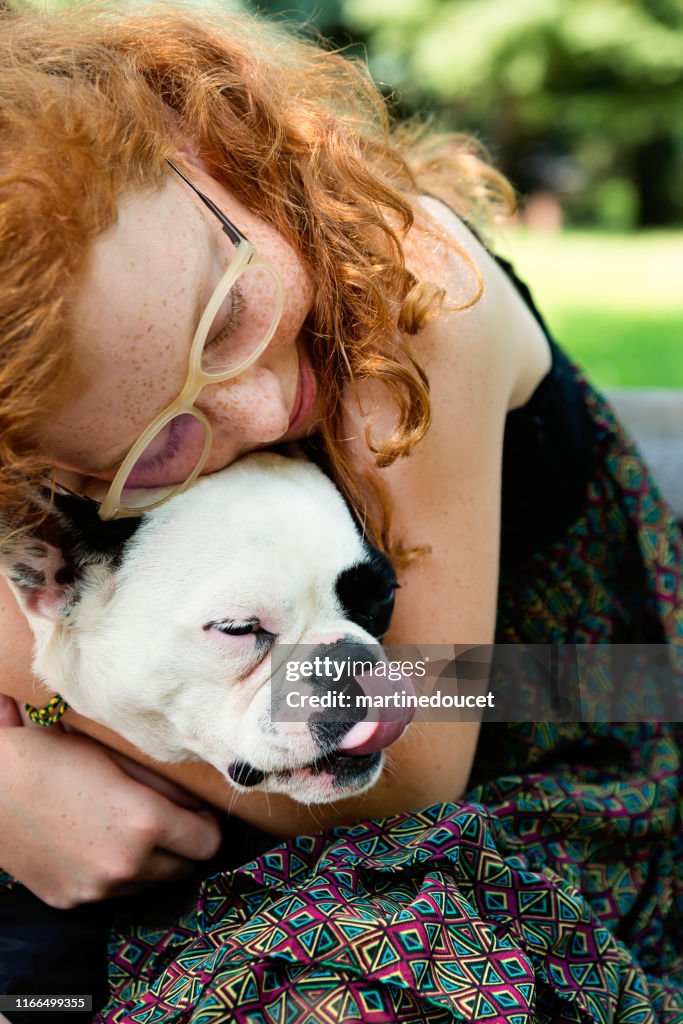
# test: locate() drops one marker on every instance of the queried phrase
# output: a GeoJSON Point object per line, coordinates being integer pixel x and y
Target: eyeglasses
{"type": "Point", "coordinates": [235, 328]}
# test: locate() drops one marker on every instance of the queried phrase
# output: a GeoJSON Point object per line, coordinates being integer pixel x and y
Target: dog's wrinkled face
{"type": "Point", "coordinates": [164, 631]}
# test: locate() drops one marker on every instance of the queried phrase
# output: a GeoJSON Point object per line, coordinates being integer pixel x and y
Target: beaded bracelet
{"type": "Point", "coordinates": [48, 715]}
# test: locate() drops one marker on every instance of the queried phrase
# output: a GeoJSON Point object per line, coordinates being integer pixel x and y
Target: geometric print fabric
{"type": "Point", "coordinates": [431, 916]}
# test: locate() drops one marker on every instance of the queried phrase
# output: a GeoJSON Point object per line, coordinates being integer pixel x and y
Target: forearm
{"type": "Point", "coordinates": [426, 776]}
{"type": "Point", "coordinates": [426, 769]}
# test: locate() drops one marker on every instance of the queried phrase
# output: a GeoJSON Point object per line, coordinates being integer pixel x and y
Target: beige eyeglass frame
{"type": "Point", "coordinates": [246, 255]}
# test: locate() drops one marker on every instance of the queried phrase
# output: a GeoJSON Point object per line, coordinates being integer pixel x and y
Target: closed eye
{"type": "Point", "coordinates": [230, 318]}
{"type": "Point", "coordinates": [236, 627]}
{"type": "Point", "coordinates": [239, 628]}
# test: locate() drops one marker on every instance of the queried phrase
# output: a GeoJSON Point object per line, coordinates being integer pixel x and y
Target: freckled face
{"type": "Point", "coordinates": [147, 283]}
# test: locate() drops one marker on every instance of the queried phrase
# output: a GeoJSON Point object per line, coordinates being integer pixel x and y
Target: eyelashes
{"type": "Point", "coordinates": [232, 325]}
{"type": "Point", "coordinates": [170, 449]}
{"type": "Point", "coordinates": [263, 639]}
{"type": "Point", "coordinates": [236, 627]}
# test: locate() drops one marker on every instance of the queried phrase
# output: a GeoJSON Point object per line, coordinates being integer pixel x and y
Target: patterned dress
{"type": "Point", "coordinates": [553, 892]}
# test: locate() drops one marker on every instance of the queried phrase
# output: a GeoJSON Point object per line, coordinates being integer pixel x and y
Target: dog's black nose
{"type": "Point", "coordinates": [364, 709]}
{"type": "Point", "coordinates": [330, 725]}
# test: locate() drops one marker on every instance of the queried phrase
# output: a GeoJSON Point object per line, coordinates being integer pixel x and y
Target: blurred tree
{"type": "Point", "coordinates": [580, 97]}
{"type": "Point", "coordinates": [327, 17]}
{"type": "Point", "coordinates": [567, 92]}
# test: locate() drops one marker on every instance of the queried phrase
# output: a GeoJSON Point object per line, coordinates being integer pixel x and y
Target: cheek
{"type": "Point", "coordinates": [150, 371]}
{"type": "Point", "coordinates": [297, 281]}
{"type": "Point", "coordinates": [134, 368]}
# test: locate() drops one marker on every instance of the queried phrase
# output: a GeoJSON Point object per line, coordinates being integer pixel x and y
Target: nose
{"type": "Point", "coordinates": [376, 707]}
{"type": "Point", "coordinates": [250, 409]}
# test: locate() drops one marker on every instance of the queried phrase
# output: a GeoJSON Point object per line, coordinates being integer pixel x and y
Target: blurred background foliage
{"type": "Point", "coordinates": [583, 98]}
{"type": "Point", "coordinates": [580, 103]}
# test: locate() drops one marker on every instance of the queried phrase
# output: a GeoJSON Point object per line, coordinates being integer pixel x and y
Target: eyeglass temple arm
{"type": "Point", "coordinates": [231, 231]}
{"type": "Point", "coordinates": [55, 487]}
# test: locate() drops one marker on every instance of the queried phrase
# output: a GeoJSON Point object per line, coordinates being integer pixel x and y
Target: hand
{"type": "Point", "coordinates": [77, 828]}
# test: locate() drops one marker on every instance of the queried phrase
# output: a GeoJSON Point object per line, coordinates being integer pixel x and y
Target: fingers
{"type": "Point", "coordinates": [159, 867]}
{"type": "Point", "coordinates": [9, 714]}
{"type": "Point", "coordinates": [122, 833]}
{"type": "Point", "coordinates": [194, 835]}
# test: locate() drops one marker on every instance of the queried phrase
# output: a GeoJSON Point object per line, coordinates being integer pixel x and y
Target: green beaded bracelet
{"type": "Point", "coordinates": [48, 715]}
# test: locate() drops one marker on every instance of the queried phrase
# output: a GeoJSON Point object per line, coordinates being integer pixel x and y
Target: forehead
{"type": "Point", "coordinates": [134, 317]}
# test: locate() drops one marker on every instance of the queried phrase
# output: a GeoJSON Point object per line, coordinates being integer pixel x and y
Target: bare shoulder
{"type": "Point", "coordinates": [481, 360]}
{"type": "Point", "coordinates": [498, 332]}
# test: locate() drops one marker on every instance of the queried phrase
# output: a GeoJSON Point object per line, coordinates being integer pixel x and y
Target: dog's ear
{"type": "Point", "coordinates": [47, 566]}
{"type": "Point", "coordinates": [37, 570]}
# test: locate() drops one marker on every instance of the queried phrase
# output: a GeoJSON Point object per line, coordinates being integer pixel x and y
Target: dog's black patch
{"type": "Point", "coordinates": [346, 769]}
{"type": "Point", "coordinates": [350, 770]}
{"type": "Point", "coordinates": [65, 576]}
{"type": "Point", "coordinates": [73, 530]}
{"type": "Point", "coordinates": [366, 592]}
{"type": "Point", "coordinates": [85, 538]}
{"type": "Point", "coordinates": [244, 774]}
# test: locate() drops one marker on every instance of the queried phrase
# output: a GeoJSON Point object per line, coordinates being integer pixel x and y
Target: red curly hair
{"type": "Point", "coordinates": [91, 101]}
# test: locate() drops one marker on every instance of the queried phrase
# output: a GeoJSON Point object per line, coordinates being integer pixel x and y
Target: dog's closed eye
{"type": "Point", "coordinates": [237, 627]}
{"type": "Point", "coordinates": [242, 630]}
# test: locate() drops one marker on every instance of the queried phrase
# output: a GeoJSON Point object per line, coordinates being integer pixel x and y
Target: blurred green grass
{"type": "Point", "coordinates": [614, 302]}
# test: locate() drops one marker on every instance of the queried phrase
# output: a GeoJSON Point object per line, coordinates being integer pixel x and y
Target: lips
{"type": "Point", "coordinates": [304, 394]}
{"type": "Point", "coordinates": [297, 404]}
{"type": "Point", "coordinates": [389, 718]}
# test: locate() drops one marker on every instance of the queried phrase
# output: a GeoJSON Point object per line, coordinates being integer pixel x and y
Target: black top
{"type": "Point", "coordinates": [547, 450]}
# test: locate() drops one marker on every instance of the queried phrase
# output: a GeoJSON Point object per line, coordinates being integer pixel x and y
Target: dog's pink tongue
{"type": "Point", "coordinates": [390, 718]}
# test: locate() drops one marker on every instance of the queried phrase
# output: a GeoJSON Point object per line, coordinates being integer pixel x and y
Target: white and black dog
{"type": "Point", "coordinates": [162, 628]}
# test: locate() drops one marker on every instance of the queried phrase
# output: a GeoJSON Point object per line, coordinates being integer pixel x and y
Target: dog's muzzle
{"type": "Point", "coordinates": [365, 713]}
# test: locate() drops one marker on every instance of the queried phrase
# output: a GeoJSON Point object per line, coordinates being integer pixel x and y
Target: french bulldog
{"type": "Point", "coordinates": [164, 628]}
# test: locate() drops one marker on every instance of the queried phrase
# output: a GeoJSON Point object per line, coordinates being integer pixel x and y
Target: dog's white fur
{"type": "Point", "coordinates": [138, 646]}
